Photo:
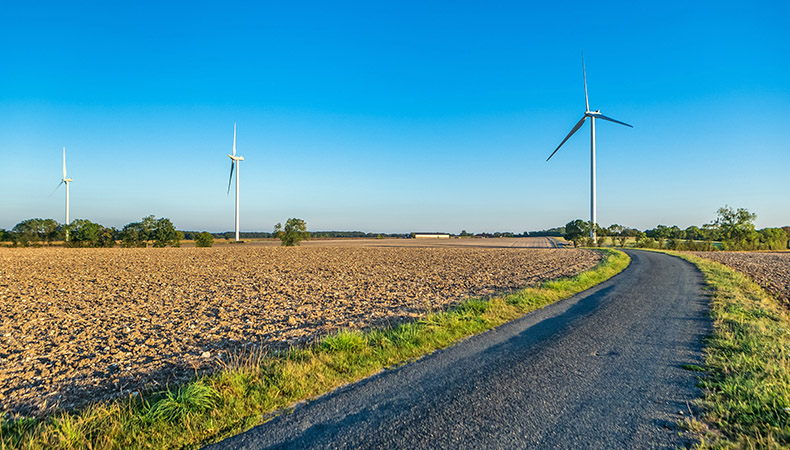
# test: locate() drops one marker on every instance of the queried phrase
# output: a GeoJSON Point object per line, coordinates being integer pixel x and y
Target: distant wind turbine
{"type": "Point", "coordinates": [234, 160]}
{"type": "Point", "coordinates": [592, 115]}
{"type": "Point", "coordinates": [65, 180]}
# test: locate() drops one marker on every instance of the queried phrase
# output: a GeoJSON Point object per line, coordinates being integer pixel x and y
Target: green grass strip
{"type": "Point", "coordinates": [253, 386]}
{"type": "Point", "coordinates": [747, 385]}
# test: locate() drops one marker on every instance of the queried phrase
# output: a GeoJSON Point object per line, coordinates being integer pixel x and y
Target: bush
{"type": "Point", "coordinates": [84, 233]}
{"type": "Point", "coordinates": [576, 231]}
{"type": "Point", "coordinates": [161, 231]}
{"type": "Point", "coordinates": [295, 230]}
{"type": "Point", "coordinates": [647, 243]}
{"type": "Point", "coordinates": [204, 239]}
{"type": "Point", "coordinates": [34, 231]}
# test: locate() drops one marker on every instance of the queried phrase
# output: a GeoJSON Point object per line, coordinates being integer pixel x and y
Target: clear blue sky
{"type": "Point", "coordinates": [394, 116]}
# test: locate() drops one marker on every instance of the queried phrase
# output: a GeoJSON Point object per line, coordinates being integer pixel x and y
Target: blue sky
{"type": "Point", "coordinates": [394, 116]}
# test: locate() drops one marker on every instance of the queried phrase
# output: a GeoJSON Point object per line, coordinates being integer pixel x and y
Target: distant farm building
{"type": "Point", "coordinates": [431, 236]}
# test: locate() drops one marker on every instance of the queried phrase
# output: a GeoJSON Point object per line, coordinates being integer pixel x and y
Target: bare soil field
{"type": "Point", "coordinates": [527, 242]}
{"type": "Point", "coordinates": [769, 270]}
{"type": "Point", "coordinates": [79, 325]}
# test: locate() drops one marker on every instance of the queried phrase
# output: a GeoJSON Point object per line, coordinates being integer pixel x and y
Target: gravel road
{"type": "Point", "coordinates": [602, 369]}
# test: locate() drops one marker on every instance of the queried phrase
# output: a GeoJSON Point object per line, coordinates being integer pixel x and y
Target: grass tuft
{"type": "Point", "coordinates": [254, 385]}
{"type": "Point", "coordinates": [344, 341]}
{"type": "Point", "coordinates": [191, 398]}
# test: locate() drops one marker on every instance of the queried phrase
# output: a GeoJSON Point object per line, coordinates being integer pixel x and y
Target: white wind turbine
{"type": "Point", "coordinates": [65, 180]}
{"type": "Point", "coordinates": [592, 115]}
{"type": "Point", "coordinates": [234, 160]}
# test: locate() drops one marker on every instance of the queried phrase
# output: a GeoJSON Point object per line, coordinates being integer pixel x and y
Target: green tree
{"type": "Point", "coordinates": [204, 239]}
{"type": "Point", "coordinates": [163, 233]}
{"type": "Point", "coordinates": [34, 231]}
{"type": "Point", "coordinates": [84, 233]}
{"type": "Point", "coordinates": [24, 233]}
{"type": "Point", "coordinates": [614, 230]}
{"type": "Point", "coordinates": [107, 237]}
{"type": "Point", "coordinates": [48, 230]}
{"type": "Point", "coordinates": [660, 234]}
{"type": "Point", "coordinates": [295, 230]}
{"type": "Point", "coordinates": [694, 233]}
{"type": "Point", "coordinates": [772, 238]}
{"type": "Point", "coordinates": [736, 228]}
{"type": "Point", "coordinates": [576, 231]}
{"type": "Point", "coordinates": [134, 235]}
{"type": "Point", "coordinates": [618, 233]}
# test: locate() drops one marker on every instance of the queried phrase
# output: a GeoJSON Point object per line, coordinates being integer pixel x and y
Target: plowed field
{"type": "Point", "coordinates": [769, 270]}
{"type": "Point", "coordinates": [87, 324]}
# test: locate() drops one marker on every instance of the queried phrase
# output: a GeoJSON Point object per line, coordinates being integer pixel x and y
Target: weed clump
{"type": "Point", "coordinates": [192, 398]}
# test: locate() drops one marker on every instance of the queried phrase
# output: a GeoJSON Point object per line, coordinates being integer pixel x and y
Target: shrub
{"type": "Point", "coordinates": [647, 243]}
{"type": "Point", "coordinates": [204, 239]}
{"type": "Point", "coordinates": [295, 230]}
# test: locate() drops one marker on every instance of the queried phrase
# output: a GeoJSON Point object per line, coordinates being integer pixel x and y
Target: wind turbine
{"type": "Point", "coordinates": [65, 180]}
{"type": "Point", "coordinates": [592, 115]}
{"type": "Point", "coordinates": [234, 160]}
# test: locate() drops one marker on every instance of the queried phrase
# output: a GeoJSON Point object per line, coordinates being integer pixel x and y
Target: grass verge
{"type": "Point", "coordinates": [747, 385]}
{"type": "Point", "coordinates": [253, 386]}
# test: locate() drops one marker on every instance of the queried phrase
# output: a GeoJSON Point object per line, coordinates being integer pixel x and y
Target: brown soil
{"type": "Point", "coordinates": [769, 270]}
{"type": "Point", "coordinates": [80, 325]}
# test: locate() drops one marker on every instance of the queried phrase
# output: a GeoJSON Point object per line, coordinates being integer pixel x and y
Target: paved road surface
{"type": "Point", "coordinates": [599, 370]}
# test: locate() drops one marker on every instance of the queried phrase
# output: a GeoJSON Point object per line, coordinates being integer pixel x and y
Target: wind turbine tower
{"type": "Point", "coordinates": [234, 161]}
{"type": "Point", "coordinates": [65, 180]}
{"type": "Point", "coordinates": [592, 115]}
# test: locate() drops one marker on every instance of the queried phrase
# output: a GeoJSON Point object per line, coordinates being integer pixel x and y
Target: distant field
{"type": "Point", "coordinates": [86, 324]}
{"type": "Point", "coordinates": [771, 270]}
{"type": "Point", "coordinates": [529, 242]}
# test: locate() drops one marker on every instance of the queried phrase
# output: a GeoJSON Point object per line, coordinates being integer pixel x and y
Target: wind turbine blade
{"type": "Point", "coordinates": [64, 163]}
{"type": "Point", "coordinates": [575, 129]}
{"type": "Point", "coordinates": [231, 175]}
{"type": "Point", "coordinates": [56, 189]}
{"type": "Point", "coordinates": [601, 116]}
{"type": "Point", "coordinates": [584, 72]}
{"type": "Point", "coordinates": [234, 138]}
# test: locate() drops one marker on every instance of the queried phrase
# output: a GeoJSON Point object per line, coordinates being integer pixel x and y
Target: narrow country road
{"type": "Point", "coordinates": [602, 369]}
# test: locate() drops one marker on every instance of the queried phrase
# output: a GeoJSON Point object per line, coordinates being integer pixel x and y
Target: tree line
{"type": "Point", "coordinates": [158, 232]}
{"type": "Point", "coordinates": [733, 229]}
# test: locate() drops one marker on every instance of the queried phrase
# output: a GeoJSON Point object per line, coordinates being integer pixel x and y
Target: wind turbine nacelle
{"type": "Point", "coordinates": [67, 180]}
{"type": "Point", "coordinates": [236, 158]}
